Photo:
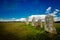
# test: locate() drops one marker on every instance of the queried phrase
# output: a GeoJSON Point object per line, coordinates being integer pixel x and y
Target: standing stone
{"type": "Point", "coordinates": [49, 27]}
{"type": "Point", "coordinates": [27, 21]}
{"type": "Point", "coordinates": [38, 24]}
{"type": "Point", "coordinates": [33, 21]}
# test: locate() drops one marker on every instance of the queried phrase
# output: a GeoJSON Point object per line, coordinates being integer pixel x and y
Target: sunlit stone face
{"type": "Point", "coordinates": [37, 24]}
{"type": "Point", "coordinates": [49, 24]}
{"type": "Point", "coordinates": [27, 21]}
{"type": "Point", "coordinates": [33, 21]}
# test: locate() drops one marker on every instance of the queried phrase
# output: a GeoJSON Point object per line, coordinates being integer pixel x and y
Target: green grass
{"type": "Point", "coordinates": [21, 31]}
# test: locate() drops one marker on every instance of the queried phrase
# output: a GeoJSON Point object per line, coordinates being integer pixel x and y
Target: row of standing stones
{"type": "Point", "coordinates": [49, 24]}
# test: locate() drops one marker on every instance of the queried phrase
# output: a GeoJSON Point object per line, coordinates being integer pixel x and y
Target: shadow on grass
{"type": "Point", "coordinates": [8, 37]}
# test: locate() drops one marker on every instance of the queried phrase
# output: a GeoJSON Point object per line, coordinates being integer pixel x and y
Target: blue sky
{"type": "Point", "coordinates": [25, 8]}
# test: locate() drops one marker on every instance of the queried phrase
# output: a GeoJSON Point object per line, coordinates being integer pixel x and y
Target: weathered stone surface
{"type": "Point", "coordinates": [49, 24]}
{"type": "Point", "coordinates": [33, 21]}
{"type": "Point", "coordinates": [37, 24]}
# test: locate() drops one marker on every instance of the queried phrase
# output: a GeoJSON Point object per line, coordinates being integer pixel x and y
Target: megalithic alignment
{"type": "Point", "coordinates": [49, 24]}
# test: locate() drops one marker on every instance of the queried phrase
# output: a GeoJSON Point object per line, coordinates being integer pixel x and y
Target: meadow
{"type": "Point", "coordinates": [21, 31]}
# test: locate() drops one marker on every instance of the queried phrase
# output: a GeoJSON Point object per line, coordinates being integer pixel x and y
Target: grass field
{"type": "Point", "coordinates": [21, 31]}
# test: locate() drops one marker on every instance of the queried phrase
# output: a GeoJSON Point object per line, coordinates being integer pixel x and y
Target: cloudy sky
{"type": "Point", "coordinates": [16, 9]}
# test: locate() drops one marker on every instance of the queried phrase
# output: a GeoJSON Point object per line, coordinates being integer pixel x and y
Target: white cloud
{"type": "Point", "coordinates": [12, 19]}
{"type": "Point", "coordinates": [57, 19]}
{"type": "Point", "coordinates": [55, 12]}
{"type": "Point", "coordinates": [48, 9]}
{"type": "Point", "coordinates": [22, 19]}
{"type": "Point", "coordinates": [42, 17]}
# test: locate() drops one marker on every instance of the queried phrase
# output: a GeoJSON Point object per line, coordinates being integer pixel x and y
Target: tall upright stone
{"type": "Point", "coordinates": [27, 21]}
{"type": "Point", "coordinates": [38, 24]}
{"type": "Point", "coordinates": [49, 24]}
{"type": "Point", "coordinates": [33, 21]}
